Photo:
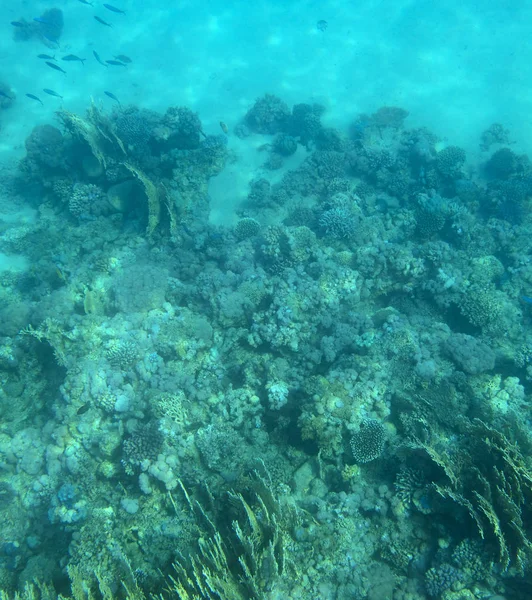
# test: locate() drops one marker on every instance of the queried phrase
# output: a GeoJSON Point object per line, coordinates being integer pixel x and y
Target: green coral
{"type": "Point", "coordinates": [486, 477]}
{"type": "Point", "coordinates": [240, 563]}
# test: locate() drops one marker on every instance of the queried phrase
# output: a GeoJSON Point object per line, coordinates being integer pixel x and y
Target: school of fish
{"type": "Point", "coordinates": [119, 60]}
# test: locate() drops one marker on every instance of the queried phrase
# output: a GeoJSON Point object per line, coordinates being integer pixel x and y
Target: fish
{"type": "Point", "coordinates": [83, 408]}
{"type": "Point", "coordinates": [85, 2]}
{"type": "Point", "coordinates": [102, 21]}
{"type": "Point", "coordinates": [115, 63]}
{"type": "Point", "coordinates": [74, 58]}
{"type": "Point", "coordinates": [97, 57]}
{"type": "Point", "coordinates": [322, 25]}
{"type": "Point", "coordinates": [52, 93]}
{"type": "Point", "coordinates": [18, 24]}
{"type": "Point", "coordinates": [33, 97]}
{"type": "Point", "coordinates": [46, 57]}
{"type": "Point", "coordinates": [42, 21]}
{"type": "Point", "coordinates": [112, 96]}
{"type": "Point", "coordinates": [123, 58]}
{"type": "Point", "coordinates": [114, 9]}
{"type": "Point", "coordinates": [526, 299]}
{"type": "Point", "coordinates": [4, 95]}
{"type": "Point", "coordinates": [224, 127]}
{"type": "Point", "coordinates": [55, 67]}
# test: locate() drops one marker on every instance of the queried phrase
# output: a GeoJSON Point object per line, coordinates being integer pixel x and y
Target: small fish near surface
{"type": "Point", "coordinates": [34, 97]}
{"type": "Point", "coordinates": [123, 58]}
{"type": "Point", "coordinates": [114, 9]}
{"type": "Point", "coordinates": [85, 2]}
{"type": "Point", "coordinates": [97, 57]}
{"type": "Point", "coordinates": [102, 21]}
{"type": "Point", "coordinates": [52, 93]}
{"type": "Point", "coordinates": [74, 58]}
{"type": "Point", "coordinates": [112, 96]}
{"type": "Point", "coordinates": [322, 25]}
{"type": "Point", "coordinates": [46, 57]}
{"type": "Point", "coordinates": [55, 67]}
{"type": "Point", "coordinates": [5, 95]}
{"type": "Point", "coordinates": [115, 63]}
{"type": "Point", "coordinates": [18, 24]}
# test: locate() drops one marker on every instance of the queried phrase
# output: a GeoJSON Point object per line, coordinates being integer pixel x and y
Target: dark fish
{"type": "Point", "coordinates": [55, 67]}
{"type": "Point", "coordinates": [322, 25]}
{"type": "Point", "coordinates": [74, 58]}
{"type": "Point", "coordinates": [83, 408]}
{"type": "Point", "coordinates": [33, 97]}
{"type": "Point", "coordinates": [85, 2]}
{"type": "Point", "coordinates": [112, 96]}
{"type": "Point", "coordinates": [102, 21]}
{"type": "Point", "coordinates": [526, 299]}
{"type": "Point", "coordinates": [123, 58]}
{"type": "Point", "coordinates": [42, 21]}
{"type": "Point", "coordinates": [224, 127]}
{"type": "Point", "coordinates": [97, 57]}
{"type": "Point", "coordinates": [4, 95]}
{"type": "Point", "coordinates": [115, 63]}
{"type": "Point", "coordinates": [52, 93]}
{"type": "Point", "coordinates": [114, 9]}
{"type": "Point", "coordinates": [46, 57]}
{"type": "Point", "coordinates": [17, 24]}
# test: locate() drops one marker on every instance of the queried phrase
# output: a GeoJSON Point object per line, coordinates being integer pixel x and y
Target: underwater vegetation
{"type": "Point", "coordinates": [328, 399]}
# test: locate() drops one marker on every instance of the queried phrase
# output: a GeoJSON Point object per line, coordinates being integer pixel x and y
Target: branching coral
{"type": "Point", "coordinates": [486, 478]}
{"type": "Point", "coordinates": [241, 561]}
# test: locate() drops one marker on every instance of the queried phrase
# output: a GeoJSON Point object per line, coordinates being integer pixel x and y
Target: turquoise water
{"type": "Point", "coordinates": [265, 300]}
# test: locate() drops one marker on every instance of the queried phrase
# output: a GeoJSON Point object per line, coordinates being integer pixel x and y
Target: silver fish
{"type": "Point", "coordinates": [97, 57]}
{"type": "Point", "coordinates": [34, 97]}
{"type": "Point", "coordinates": [55, 67]}
{"type": "Point", "coordinates": [114, 9]}
{"type": "Point", "coordinates": [74, 58]}
{"type": "Point", "coordinates": [52, 93]}
{"type": "Point", "coordinates": [112, 96]}
{"type": "Point", "coordinates": [123, 58]}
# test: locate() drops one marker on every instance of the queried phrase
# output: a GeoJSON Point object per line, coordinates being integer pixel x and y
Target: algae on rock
{"type": "Point", "coordinates": [153, 195]}
{"type": "Point", "coordinates": [96, 130]}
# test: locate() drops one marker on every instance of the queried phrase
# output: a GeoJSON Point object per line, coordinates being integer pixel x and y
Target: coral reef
{"type": "Point", "coordinates": [268, 115]}
{"type": "Point", "coordinates": [368, 443]}
{"type": "Point", "coordinates": [328, 398]}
